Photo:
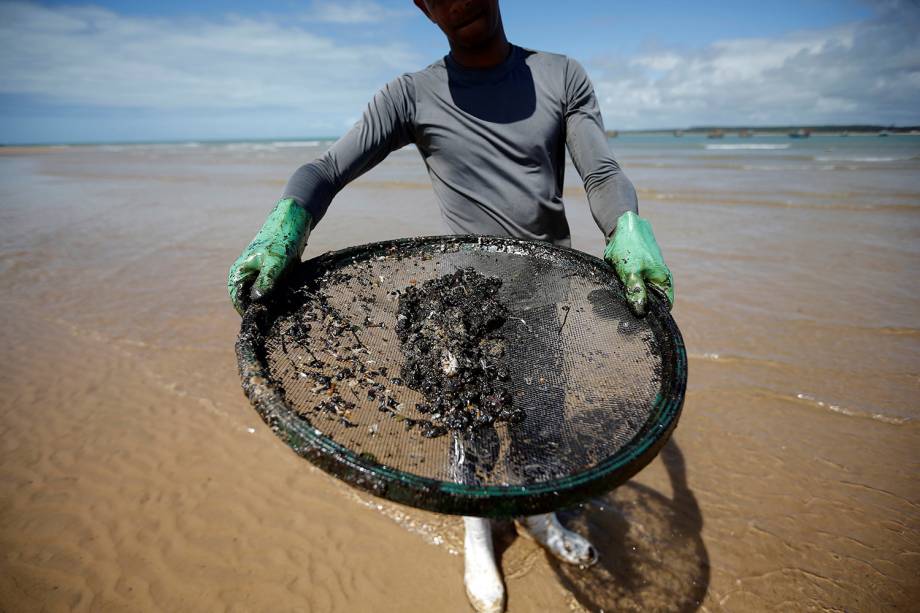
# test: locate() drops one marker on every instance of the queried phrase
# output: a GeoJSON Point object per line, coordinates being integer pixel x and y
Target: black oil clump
{"type": "Point", "coordinates": [450, 331]}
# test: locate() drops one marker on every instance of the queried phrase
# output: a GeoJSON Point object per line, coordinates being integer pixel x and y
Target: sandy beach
{"type": "Point", "coordinates": [135, 476]}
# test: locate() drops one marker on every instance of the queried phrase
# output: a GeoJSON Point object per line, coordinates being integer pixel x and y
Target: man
{"type": "Point", "coordinates": [491, 121]}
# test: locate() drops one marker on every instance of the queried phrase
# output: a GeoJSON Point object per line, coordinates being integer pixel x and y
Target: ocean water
{"type": "Point", "coordinates": [809, 246]}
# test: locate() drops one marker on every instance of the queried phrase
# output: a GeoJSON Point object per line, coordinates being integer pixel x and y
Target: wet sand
{"type": "Point", "coordinates": [135, 476]}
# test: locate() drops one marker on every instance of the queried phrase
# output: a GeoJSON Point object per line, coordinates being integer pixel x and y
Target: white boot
{"type": "Point", "coordinates": [560, 541]}
{"type": "Point", "coordinates": [483, 582]}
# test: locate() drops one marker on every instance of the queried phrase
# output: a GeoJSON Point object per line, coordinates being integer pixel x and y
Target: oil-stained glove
{"type": "Point", "coordinates": [277, 246]}
{"type": "Point", "coordinates": [636, 257]}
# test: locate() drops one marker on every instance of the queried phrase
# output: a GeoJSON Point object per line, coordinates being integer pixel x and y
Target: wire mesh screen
{"type": "Point", "coordinates": [599, 388]}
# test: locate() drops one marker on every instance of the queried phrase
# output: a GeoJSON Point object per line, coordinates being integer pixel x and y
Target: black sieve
{"type": "Point", "coordinates": [601, 389]}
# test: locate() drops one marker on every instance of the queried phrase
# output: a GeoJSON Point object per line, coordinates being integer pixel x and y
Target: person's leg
{"type": "Point", "coordinates": [564, 544]}
{"type": "Point", "coordinates": [533, 444]}
{"type": "Point", "coordinates": [473, 455]}
{"type": "Point", "coordinates": [481, 575]}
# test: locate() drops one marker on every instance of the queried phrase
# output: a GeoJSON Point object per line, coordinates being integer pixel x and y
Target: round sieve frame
{"type": "Point", "coordinates": [370, 475]}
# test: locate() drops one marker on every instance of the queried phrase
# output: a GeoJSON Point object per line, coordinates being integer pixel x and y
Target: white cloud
{"type": "Point", "coordinates": [94, 57]}
{"type": "Point", "coordinates": [658, 61]}
{"type": "Point", "coordinates": [357, 12]}
{"type": "Point", "coordinates": [865, 72]}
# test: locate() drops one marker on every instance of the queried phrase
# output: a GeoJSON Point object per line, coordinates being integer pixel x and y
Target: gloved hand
{"type": "Point", "coordinates": [277, 246]}
{"type": "Point", "coordinates": [636, 257]}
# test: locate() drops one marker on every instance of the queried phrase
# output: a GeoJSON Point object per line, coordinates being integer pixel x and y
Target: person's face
{"type": "Point", "coordinates": [467, 23]}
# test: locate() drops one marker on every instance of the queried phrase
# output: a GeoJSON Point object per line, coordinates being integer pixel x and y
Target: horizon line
{"type": "Point", "coordinates": [772, 129]}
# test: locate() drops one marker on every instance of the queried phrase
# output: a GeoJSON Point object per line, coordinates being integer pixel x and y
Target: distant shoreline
{"type": "Point", "coordinates": [720, 131]}
{"type": "Point", "coordinates": [748, 131]}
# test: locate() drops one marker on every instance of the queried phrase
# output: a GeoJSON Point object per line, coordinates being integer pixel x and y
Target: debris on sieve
{"type": "Point", "coordinates": [450, 332]}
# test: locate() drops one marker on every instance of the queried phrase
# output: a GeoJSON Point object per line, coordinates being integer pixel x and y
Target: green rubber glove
{"type": "Point", "coordinates": [636, 257]}
{"type": "Point", "coordinates": [277, 246]}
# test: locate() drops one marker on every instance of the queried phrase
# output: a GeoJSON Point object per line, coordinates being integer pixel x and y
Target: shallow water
{"type": "Point", "coordinates": [134, 474]}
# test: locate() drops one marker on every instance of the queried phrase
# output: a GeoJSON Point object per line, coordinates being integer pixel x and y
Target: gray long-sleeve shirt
{"type": "Point", "coordinates": [493, 142]}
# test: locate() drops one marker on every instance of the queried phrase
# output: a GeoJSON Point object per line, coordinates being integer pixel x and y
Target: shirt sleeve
{"type": "Point", "coordinates": [385, 126]}
{"type": "Point", "coordinates": [610, 192]}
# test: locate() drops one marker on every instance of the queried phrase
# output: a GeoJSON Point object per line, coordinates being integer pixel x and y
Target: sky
{"type": "Point", "coordinates": [107, 70]}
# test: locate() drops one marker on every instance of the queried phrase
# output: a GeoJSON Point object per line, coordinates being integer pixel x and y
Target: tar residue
{"type": "Point", "coordinates": [450, 331]}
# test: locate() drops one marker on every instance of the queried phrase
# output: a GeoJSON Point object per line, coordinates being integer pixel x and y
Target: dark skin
{"type": "Point", "coordinates": [473, 28]}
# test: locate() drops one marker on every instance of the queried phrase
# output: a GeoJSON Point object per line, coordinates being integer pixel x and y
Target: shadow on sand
{"type": "Point", "coordinates": [651, 552]}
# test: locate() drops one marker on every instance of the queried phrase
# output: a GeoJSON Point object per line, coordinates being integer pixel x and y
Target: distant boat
{"type": "Point", "coordinates": [678, 132]}
{"type": "Point", "coordinates": [800, 133]}
{"type": "Point", "coordinates": [844, 133]}
{"type": "Point", "coordinates": [717, 133]}
{"type": "Point", "coordinates": [612, 133]}
{"type": "Point", "coordinates": [884, 133]}
{"type": "Point", "coordinates": [745, 133]}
